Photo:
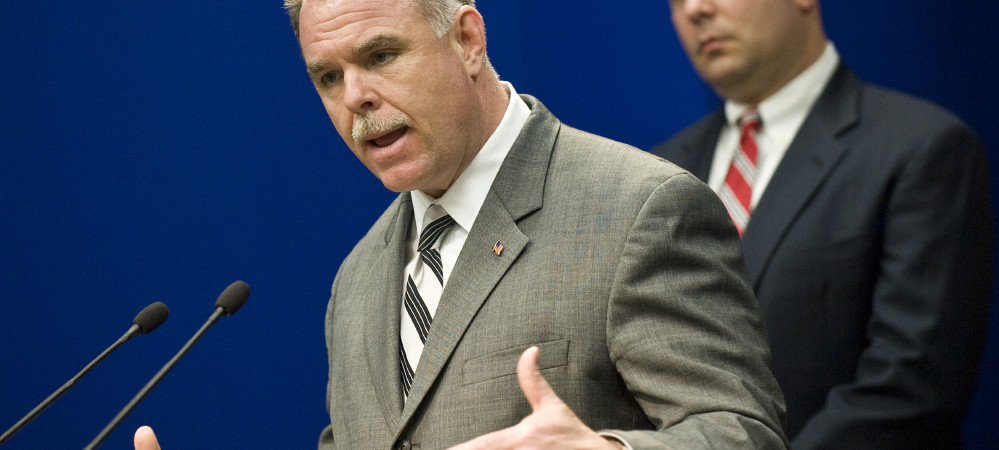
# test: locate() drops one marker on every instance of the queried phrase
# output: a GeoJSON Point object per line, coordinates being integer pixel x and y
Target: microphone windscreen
{"type": "Point", "coordinates": [151, 317]}
{"type": "Point", "coordinates": [233, 297]}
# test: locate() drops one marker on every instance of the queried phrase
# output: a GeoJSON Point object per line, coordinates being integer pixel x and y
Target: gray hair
{"type": "Point", "coordinates": [439, 14]}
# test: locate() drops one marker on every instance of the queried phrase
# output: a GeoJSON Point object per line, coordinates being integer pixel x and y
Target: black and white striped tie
{"type": "Point", "coordinates": [423, 292]}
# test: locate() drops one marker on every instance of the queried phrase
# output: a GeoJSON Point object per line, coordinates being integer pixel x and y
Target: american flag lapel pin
{"type": "Point", "coordinates": [498, 248]}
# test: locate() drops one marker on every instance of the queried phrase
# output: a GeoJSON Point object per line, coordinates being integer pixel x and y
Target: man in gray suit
{"type": "Point", "coordinates": [869, 234]}
{"type": "Point", "coordinates": [619, 273]}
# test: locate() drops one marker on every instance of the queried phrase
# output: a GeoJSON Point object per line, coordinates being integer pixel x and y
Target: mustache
{"type": "Point", "coordinates": [368, 124]}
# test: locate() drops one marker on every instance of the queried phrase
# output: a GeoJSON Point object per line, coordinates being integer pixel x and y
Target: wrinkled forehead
{"type": "Point", "coordinates": [343, 30]}
{"type": "Point", "coordinates": [338, 13]}
{"type": "Point", "coordinates": [346, 7]}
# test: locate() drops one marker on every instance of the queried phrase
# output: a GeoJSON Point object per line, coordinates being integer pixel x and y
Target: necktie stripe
{"type": "Point", "coordinates": [404, 369]}
{"type": "Point", "coordinates": [739, 215]}
{"type": "Point", "coordinates": [736, 181]}
{"type": "Point", "coordinates": [432, 258]}
{"type": "Point", "coordinates": [417, 310]}
{"type": "Point", "coordinates": [421, 328]}
{"type": "Point", "coordinates": [433, 231]}
{"type": "Point", "coordinates": [746, 168]}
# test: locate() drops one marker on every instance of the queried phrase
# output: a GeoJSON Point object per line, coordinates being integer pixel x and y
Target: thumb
{"type": "Point", "coordinates": [145, 439]}
{"type": "Point", "coordinates": [534, 386]}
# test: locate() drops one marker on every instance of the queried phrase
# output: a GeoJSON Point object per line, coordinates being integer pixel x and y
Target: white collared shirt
{"type": "Point", "coordinates": [781, 114]}
{"type": "Point", "coordinates": [468, 192]}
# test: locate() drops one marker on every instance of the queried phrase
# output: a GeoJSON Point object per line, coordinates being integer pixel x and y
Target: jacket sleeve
{"type": "Point", "coordinates": [684, 329]}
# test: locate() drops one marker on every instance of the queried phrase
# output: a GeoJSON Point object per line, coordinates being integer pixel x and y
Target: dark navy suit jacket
{"type": "Point", "coordinates": [871, 254]}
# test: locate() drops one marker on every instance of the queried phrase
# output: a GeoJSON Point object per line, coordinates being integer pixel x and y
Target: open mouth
{"type": "Point", "coordinates": [388, 138]}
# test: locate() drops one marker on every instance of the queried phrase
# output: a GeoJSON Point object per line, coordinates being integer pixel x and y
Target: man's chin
{"type": "Point", "coordinates": [398, 184]}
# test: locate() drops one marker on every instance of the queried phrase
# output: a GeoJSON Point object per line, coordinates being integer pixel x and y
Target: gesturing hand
{"type": "Point", "coordinates": [551, 424]}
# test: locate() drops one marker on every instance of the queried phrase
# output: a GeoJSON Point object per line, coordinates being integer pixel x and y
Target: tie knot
{"type": "Point", "coordinates": [434, 230]}
{"type": "Point", "coordinates": [749, 120]}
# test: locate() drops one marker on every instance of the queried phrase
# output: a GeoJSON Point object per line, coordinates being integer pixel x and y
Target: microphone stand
{"type": "Point", "coordinates": [153, 382]}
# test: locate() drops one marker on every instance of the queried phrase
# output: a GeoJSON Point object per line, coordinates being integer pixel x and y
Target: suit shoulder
{"type": "Point", "coordinates": [610, 157]}
{"type": "Point", "coordinates": [901, 129]}
{"type": "Point", "coordinates": [377, 234]}
{"type": "Point", "coordinates": [585, 167]}
{"type": "Point", "coordinates": [900, 111]}
{"type": "Point", "coordinates": [687, 145]}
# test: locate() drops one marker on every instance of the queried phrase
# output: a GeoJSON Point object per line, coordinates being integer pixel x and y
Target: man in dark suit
{"type": "Point", "coordinates": [866, 226]}
{"type": "Point", "coordinates": [618, 272]}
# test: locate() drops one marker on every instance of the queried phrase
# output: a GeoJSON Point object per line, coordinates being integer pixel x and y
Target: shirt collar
{"type": "Point", "coordinates": [468, 192]}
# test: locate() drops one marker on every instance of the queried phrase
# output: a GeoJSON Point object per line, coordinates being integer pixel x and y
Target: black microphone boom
{"type": "Point", "coordinates": [229, 301]}
{"type": "Point", "coordinates": [147, 320]}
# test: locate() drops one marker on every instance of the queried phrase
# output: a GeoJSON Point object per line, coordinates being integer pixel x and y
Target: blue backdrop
{"type": "Point", "coordinates": [160, 150]}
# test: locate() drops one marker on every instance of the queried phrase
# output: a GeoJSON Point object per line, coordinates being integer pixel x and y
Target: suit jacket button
{"type": "Point", "coordinates": [404, 445]}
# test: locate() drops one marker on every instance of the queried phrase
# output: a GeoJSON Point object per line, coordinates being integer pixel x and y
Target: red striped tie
{"type": "Point", "coordinates": [737, 194]}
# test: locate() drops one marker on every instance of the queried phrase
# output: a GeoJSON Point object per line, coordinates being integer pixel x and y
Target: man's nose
{"type": "Point", "coordinates": [695, 9]}
{"type": "Point", "coordinates": [359, 95]}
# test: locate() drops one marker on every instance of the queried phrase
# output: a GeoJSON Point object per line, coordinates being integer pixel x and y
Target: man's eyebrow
{"type": "Point", "coordinates": [316, 67]}
{"type": "Point", "coordinates": [378, 41]}
{"type": "Point", "coordinates": [358, 51]}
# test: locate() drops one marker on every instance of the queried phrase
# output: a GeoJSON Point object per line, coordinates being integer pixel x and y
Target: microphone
{"type": "Point", "coordinates": [147, 320]}
{"type": "Point", "coordinates": [229, 301]}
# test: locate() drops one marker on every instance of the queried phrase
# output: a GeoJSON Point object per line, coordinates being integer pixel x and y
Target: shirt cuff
{"type": "Point", "coordinates": [615, 438]}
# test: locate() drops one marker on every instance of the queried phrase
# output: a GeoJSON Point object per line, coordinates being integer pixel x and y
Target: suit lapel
{"type": "Point", "coordinates": [516, 192]}
{"type": "Point", "coordinates": [813, 154]}
{"type": "Point", "coordinates": [381, 331]}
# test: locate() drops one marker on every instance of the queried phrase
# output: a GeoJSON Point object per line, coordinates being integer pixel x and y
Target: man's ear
{"type": "Point", "coordinates": [469, 32]}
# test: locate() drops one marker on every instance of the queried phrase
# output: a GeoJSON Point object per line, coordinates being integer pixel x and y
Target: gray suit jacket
{"type": "Point", "coordinates": [871, 255]}
{"type": "Point", "coordinates": [622, 268]}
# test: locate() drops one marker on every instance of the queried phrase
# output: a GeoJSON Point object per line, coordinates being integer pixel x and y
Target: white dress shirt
{"type": "Point", "coordinates": [781, 114]}
{"type": "Point", "coordinates": [465, 196]}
